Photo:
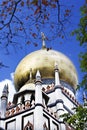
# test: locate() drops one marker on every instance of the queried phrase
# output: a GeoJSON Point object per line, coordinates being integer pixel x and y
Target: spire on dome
{"type": "Point", "coordinates": [43, 40]}
{"type": "Point", "coordinates": [38, 76]}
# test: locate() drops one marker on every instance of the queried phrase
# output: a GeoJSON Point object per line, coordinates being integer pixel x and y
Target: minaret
{"type": "Point", "coordinates": [4, 100]}
{"type": "Point", "coordinates": [43, 40]}
{"type": "Point", "coordinates": [38, 113]}
{"type": "Point", "coordinates": [57, 80]}
{"type": "Point", "coordinates": [58, 98]}
{"type": "Point", "coordinates": [58, 93]}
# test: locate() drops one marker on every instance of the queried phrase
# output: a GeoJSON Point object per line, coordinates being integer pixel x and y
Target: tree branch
{"type": "Point", "coordinates": [58, 5]}
{"type": "Point", "coordinates": [9, 22]}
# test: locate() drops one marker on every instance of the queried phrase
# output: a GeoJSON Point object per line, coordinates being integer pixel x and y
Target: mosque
{"type": "Point", "coordinates": [45, 82]}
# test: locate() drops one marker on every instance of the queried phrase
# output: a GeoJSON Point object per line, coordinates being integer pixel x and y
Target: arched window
{"type": "Point", "coordinates": [45, 126]}
{"type": "Point", "coordinates": [28, 126]}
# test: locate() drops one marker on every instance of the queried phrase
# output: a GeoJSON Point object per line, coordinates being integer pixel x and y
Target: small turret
{"type": "Point", "coordinates": [4, 100]}
{"type": "Point", "coordinates": [58, 93]}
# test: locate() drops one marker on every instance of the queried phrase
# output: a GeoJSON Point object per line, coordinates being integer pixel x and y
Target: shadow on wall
{"type": "Point", "coordinates": [1, 128]}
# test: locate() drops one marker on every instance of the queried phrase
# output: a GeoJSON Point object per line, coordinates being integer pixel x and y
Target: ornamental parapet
{"type": "Point", "coordinates": [50, 111]}
{"type": "Point", "coordinates": [48, 88]}
{"type": "Point", "coordinates": [70, 96]}
{"type": "Point", "coordinates": [15, 109]}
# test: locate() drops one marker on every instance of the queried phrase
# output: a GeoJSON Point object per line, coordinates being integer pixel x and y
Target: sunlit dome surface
{"type": "Point", "coordinates": [44, 61]}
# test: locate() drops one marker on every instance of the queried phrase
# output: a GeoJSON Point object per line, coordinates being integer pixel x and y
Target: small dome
{"type": "Point", "coordinates": [44, 61]}
{"type": "Point", "coordinates": [30, 86]}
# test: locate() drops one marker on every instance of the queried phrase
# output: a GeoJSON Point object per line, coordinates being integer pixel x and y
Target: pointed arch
{"type": "Point", "coordinates": [45, 126]}
{"type": "Point", "coordinates": [28, 126]}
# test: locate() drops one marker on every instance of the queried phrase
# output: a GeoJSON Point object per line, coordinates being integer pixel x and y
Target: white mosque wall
{"type": "Point", "coordinates": [67, 101]}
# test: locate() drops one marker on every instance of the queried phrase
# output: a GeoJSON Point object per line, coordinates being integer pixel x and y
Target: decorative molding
{"type": "Point", "coordinates": [70, 97]}
{"type": "Point", "coordinates": [59, 110]}
{"type": "Point", "coordinates": [39, 104]}
{"type": "Point", "coordinates": [66, 108]}
{"type": "Point", "coordinates": [9, 115]}
{"type": "Point", "coordinates": [49, 114]}
{"type": "Point", "coordinates": [57, 101]}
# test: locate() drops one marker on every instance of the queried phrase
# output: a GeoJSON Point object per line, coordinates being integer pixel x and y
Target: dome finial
{"type": "Point", "coordinates": [38, 74]}
{"type": "Point", "coordinates": [43, 40]}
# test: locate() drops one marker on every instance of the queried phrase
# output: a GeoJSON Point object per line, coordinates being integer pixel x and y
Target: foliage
{"type": "Point", "coordinates": [25, 19]}
{"type": "Point", "coordinates": [78, 120]}
{"type": "Point", "coordinates": [83, 65]}
{"type": "Point", "coordinates": [81, 32]}
{"type": "Point", "coordinates": [81, 35]}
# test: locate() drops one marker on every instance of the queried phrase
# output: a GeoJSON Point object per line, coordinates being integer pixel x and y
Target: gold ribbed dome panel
{"type": "Point", "coordinates": [44, 61]}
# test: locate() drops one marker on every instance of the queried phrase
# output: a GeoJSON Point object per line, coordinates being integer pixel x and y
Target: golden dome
{"type": "Point", "coordinates": [44, 61]}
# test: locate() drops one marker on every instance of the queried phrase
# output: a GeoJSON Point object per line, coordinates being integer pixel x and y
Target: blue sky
{"type": "Point", "coordinates": [70, 47]}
